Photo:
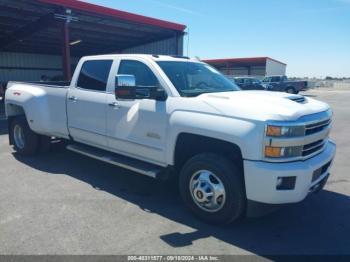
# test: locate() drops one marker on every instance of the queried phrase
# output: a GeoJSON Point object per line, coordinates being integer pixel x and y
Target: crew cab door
{"type": "Point", "coordinates": [87, 103]}
{"type": "Point", "coordinates": [276, 83]}
{"type": "Point", "coordinates": [137, 127]}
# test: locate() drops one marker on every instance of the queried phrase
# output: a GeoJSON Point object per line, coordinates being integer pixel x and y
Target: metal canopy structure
{"type": "Point", "coordinates": [70, 27]}
{"type": "Point", "coordinates": [257, 66]}
{"type": "Point", "coordinates": [244, 62]}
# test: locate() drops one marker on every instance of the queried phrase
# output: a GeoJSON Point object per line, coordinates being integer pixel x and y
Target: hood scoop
{"type": "Point", "coordinates": [297, 99]}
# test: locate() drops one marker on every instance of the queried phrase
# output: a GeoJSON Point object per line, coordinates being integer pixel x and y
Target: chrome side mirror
{"type": "Point", "coordinates": [125, 87]}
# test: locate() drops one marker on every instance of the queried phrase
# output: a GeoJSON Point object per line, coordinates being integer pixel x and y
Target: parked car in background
{"type": "Point", "coordinates": [248, 83]}
{"type": "Point", "coordinates": [281, 83]}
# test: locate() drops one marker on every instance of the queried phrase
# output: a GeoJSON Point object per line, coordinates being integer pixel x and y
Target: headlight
{"type": "Point", "coordinates": [285, 131]}
{"type": "Point", "coordinates": [276, 131]}
{"type": "Point", "coordinates": [283, 152]}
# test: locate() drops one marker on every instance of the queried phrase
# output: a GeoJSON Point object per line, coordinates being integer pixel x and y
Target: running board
{"type": "Point", "coordinates": [135, 165]}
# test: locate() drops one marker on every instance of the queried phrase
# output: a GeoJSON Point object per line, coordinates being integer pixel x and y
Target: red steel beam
{"type": "Point", "coordinates": [105, 11]}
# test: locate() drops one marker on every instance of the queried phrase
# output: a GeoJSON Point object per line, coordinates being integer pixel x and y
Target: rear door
{"type": "Point", "coordinates": [87, 102]}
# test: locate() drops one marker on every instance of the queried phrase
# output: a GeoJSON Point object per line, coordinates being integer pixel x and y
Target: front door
{"type": "Point", "coordinates": [87, 103]}
{"type": "Point", "coordinates": [137, 127]}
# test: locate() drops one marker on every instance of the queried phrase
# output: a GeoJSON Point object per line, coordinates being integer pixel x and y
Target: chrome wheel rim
{"type": "Point", "coordinates": [207, 191]}
{"type": "Point", "coordinates": [290, 91]}
{"type": "Point", "coordinates": [18, 136]}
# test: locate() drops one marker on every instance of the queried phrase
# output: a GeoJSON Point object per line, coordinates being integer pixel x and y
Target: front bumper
{"type": "Point", "coordinates": [261, 177]}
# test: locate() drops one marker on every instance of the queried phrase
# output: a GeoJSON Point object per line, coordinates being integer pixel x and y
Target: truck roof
{"type": "Point", "coordinates": [145, 56]}
{"type": "Point", "coordinates": [276, 76]}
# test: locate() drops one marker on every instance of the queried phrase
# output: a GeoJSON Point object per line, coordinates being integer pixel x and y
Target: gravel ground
{"type": "Point", "coordinates": [63, 203]}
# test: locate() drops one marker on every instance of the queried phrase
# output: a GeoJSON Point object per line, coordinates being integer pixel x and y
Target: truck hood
{"type": "Point", "coordinates": [263, 105]}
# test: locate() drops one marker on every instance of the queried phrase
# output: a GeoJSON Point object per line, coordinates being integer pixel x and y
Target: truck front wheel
{"type": "Point", "coordinates": [25, 141]}
{"type": "Point", "coordinates": [213, 188]}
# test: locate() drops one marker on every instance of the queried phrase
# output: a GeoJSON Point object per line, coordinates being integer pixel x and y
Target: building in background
{"type": "Point", "coordinates": [254, 66]}
{"type": "Point", "coordinates": [44, 39]}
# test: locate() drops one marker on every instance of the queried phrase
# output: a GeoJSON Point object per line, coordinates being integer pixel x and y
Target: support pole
{"type": "Point", "coordinates": [228, 69]}
{"type": "Point", "coordinates": [66, 64]}
{"type": "Point", "coordinates": [177, 44]}
{"type": "Point", "coordinates": [249, 70]}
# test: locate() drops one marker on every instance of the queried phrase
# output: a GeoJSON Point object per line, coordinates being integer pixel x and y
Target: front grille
{"type": "Point", "coordinates": [313, 147]}
{"type": "Point", "coordinates": [317, 127]}
{"type": "Point", "coordinates": [319, 172]}
{"type": "Point", "coordinates": [311, 139]}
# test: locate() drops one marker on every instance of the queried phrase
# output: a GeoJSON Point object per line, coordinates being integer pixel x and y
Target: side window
{"type": "Point", "coordinates": [275, 79]}
{"type": "Point", "coordinates": [94, 75]}
{"type": "Point", "coordinates": [248, 81]}
{"type": "Point", "coordinates": [267, 79]}
{"type": "Point", "coordinates": [144, 76]}
{"type": "Point", "coordinates": [239, 80]}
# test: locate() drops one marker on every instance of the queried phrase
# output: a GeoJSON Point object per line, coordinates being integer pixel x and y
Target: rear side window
{"type": "Point", "coordinates": [94, 75]}
{"type": "Point", "coordinates": [248, 81]}
{"type": "Point", "coordinates": [275, 79]}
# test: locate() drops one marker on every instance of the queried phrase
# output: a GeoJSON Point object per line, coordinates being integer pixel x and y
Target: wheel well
{"type": "Point", "coordinates": [189, 145]}
{"type": "Point", "coordinates": [290, 87]}
{"type": "Point", "coordinates": [14, 110]}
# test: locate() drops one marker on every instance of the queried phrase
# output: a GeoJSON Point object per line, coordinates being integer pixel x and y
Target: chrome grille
{"type": "Point", "coordinates": [317, 127]}
{"type": "Point", "coordinates": [311, 141]}
{"type": "Point", "coordinates": [312, 148]}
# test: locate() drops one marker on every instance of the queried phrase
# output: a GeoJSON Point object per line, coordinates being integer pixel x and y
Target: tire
{"type": "Point", "coordinates": [230, 176]}
{"type": "Point", "coordinates": [28, 142]}
{"type": "Point", "coordinates": [291, 90]}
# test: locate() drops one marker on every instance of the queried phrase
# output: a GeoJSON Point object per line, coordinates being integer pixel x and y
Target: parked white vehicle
{"type": "Point", "coordinates": [162, 116]}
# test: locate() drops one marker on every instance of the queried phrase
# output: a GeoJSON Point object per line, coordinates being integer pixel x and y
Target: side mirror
{"type": "Point", "coordinates": [125, 87]}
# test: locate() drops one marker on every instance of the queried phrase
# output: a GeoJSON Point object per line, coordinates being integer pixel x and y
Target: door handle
{"type": "Point", "coordinates": [114, 104]}
{"type": "Point", "coordinates": [73, 98]}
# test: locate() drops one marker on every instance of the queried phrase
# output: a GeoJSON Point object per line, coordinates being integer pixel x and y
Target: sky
{"type": "Point", "coordinates": [311, 36]}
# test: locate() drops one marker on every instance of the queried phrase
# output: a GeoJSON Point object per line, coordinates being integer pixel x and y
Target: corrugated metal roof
{"type": "Point", "coordinates": [31, 26]}
{"type": "Point", "coordinates": [247, 60]}
{"type": "Point", "coordinates": [101, 10]}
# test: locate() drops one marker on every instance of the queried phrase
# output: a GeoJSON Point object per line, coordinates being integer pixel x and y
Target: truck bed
{"type": "Point", "coordinates": [53, 84]}
{"type": "Point", "coordinates": [44, 104]}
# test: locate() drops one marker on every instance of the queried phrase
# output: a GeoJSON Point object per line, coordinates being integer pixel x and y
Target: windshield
{"type": "Point", "coordinates": [193, 79]}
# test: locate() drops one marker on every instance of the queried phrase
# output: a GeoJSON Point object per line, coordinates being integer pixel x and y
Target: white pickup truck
{"type": "Point", "coordinates": [232, 151]}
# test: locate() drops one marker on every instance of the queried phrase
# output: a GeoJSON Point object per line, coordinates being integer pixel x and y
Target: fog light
{"type": "Point", "coordinates": [286, 183]}
{"type": "Point", "coordinates": [279, 182]}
